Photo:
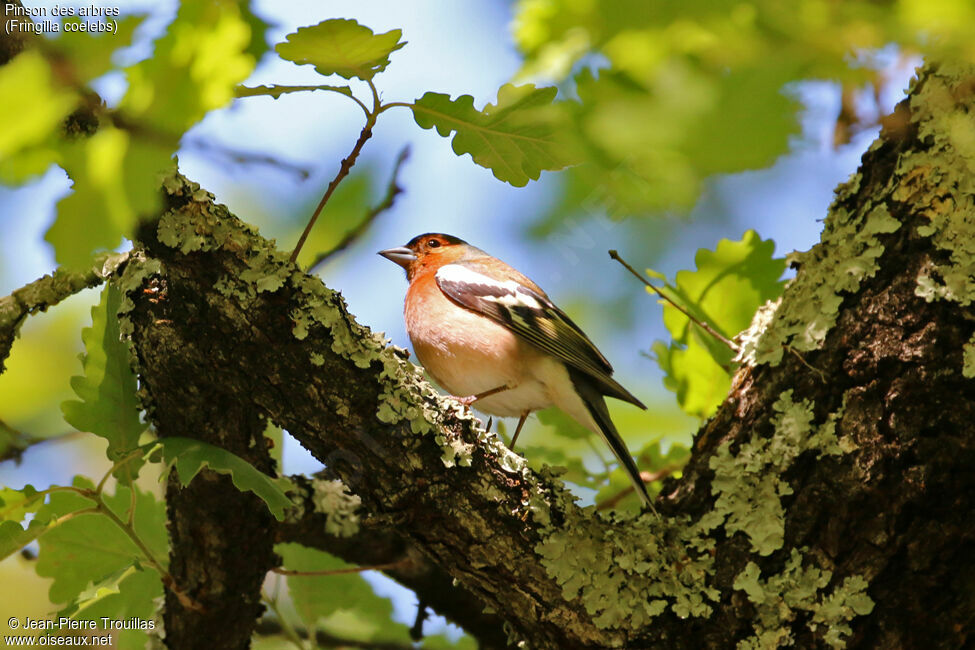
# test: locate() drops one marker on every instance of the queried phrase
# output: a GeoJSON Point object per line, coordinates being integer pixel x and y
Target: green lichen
{"type": "Point", "coordinates": [340, 507]}
{"type": "Point", "coordinates": [939, 182]}
{"type": "Point", "coordinates": [846, 255]}
{"type": "Point", "coordinates": [780, 597]}
{"type": "Point", "coordinates": [628, 573]}
{"type": "Point", "coordinates": [968, 356]}
{"type": "Point", "coordinates": [749, 484]}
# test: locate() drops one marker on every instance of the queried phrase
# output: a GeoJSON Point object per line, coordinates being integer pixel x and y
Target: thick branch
{"type": "Point", "coordinates": [377, 543]}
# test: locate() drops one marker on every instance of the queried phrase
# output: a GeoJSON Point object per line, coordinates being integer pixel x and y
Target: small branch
{"type": "Point", "coordinates": [416, 632]}
{"type": "Point", "coordinates": [272, 627]}
{"type": "Point", "coordinates": [703, 325]}
{"type": "Point", "coordinates": [247, 157]}
{"type": "Point", "coordinates": [646, 477]}
{"type": "Point", "coordinates": [284, 625]}
{"type": "Point", "coordinates": [48, 291]}
{"type": "Point", "coordinates": [347, 164]}
{"type": "Point", "coordinates": [392, 191]}
{"type": "Point", "coordinates": [336, 572]}
{"type": "Point", "coordinates": [14, 443]}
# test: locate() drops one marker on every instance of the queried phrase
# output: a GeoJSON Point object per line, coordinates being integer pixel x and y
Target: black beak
{"type": "Point", "coordinates": [402, 256]}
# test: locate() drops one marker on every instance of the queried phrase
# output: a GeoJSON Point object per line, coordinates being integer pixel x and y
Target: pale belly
{"type": "Point", "coordinates": [466, 363]}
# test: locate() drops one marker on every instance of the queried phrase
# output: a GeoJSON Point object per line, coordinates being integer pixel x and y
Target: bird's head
{"type": "Point", "coordinates": [428, 251]}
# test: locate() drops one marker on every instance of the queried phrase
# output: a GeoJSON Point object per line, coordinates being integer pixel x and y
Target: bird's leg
{"type": "Point", "coordinates": [470, 399]}
{"type": "Point", "coordinates": [521, 423]}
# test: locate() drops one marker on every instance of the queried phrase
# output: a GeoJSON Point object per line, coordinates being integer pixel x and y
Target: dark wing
{"type": "Point", "coordinates": [529, 313]}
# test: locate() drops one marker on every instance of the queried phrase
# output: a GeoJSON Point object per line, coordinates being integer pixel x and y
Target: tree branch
{"type": "Point", "coordinates": [378, 542]}
{"type": "Point", "coordinates": [392, 191]}
{"type": "Point", "coordinates": [48, 291]}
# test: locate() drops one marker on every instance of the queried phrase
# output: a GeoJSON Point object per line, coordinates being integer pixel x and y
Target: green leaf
{"type": "Point", "coordinates": [89, 54]}
{"type": "Point", "coordinates": [108, 407]}
{"type": "Point", "coordinates": [85, 549]}
{"type": "Point", "coordinates": [195, 67]}
{"type": "Point", "coordinates": [344, 604]}
{"type": "Point", "coordinates": [342, 47]}
{"type": "Point", "coordinates": [691, 372]}
{"type": "Point", "coordinates": [115, 179]}
{"type": "Point", "coordinates": [189, 456]}
{"type": "Point", "coordinates": [724, 291]}
{"type": "Point", "coordinates": [31, 110]}
{"type": "Point", "coordinates": [277, 91]}
{"type": "Point", "coordinates": [15, 505]}
{"type": "Point", "coordinates": [516, 139]}
{"type": "Point", "coordinates": [124, 593]}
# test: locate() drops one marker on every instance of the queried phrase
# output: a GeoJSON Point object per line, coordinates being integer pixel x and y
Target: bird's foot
{"type": "Point", "coordinates": [464, 401]}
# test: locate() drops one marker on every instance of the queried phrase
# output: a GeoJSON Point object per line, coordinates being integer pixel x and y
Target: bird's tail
{"type": "Point", "coordinates": [596, 405]}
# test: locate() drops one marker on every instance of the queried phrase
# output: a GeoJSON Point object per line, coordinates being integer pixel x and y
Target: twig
{"type": "Point", "coordinates": [247, 157]}
{"type": "Point", "coordinates": [646, 477]}
{"type": "Point", "coordinates": [48, 291]}
{"type": "Point", "coordinates": [703, 325]}
{"type": "Point", "coordinates": [822, 375]}
{"type": "Point", "coordinates": [416, 632]}
{"type": "Point", "coordinates": [18, 442]}
{"type": "Point", "coordinates": [284, 624]}
{"type": "Point", "coordinates": [346, 165]}
{"type": "Point", "coordinates": [392, 191]}
{"type": "Point", "coordinates": [270, 627]}
{"type": "Point", "coordinates": [336, 572]}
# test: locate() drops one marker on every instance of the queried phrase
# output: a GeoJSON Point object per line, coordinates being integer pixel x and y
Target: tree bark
{"type": "Point", "coordinates": [828, 502]}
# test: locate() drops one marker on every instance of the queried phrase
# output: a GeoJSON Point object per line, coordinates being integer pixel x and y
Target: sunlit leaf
{"type": "Point", "coordinates": [517, 138]}
{"type": "Point", "coordinates": [115, 180]}
{"type": "Point", "coordinates": [89, 54]}
{"type": "Point", "coordinates": [108, 406]}
{"type": "Point", "coordinates": [189, 456]}
{"type": "Point", "coordinates": [85, 549]}
{"type": "Point", "coordinates": [15, 505]}
{"type": "Point", "coordinates": [196, 65]}
{"type": "Point", "coordinates": [724, 291]}
{"type": "Point", "coordinates": [32, 107]}
{"type": "Point", "coordinates": [342, 47]}
{"type": "Point", "coordinates": [343, 604]}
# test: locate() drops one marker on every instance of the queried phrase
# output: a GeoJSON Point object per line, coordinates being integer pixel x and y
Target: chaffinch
{"type": "Point", "coordinates": [487, 333]}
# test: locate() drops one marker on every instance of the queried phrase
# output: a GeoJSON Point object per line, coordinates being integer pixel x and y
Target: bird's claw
{"type": "Point", "coordinates": [464, 401]}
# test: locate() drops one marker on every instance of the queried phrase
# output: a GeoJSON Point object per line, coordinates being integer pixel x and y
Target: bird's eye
{"type": "Point", "coordinates": [433, 243]}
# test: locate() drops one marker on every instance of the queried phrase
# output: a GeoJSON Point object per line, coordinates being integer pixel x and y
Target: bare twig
{"type": "Point", "coordinates": [392, 191]}
{"type": "Point", "coordinates": [271, 627]}
{"type": "Point", "coordinates": [336, 572]}
{"type": "Point", "coordinates": [646, 477]}
{"type": "Point", "coordinates": [416, 632]}
{"type": "Point", "coordinates": [703, 325]}
{"type": "Point", "coordinates": [242, 157]}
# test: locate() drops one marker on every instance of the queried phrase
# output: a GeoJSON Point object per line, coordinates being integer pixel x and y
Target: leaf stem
{"type": "Point", "coordinates": [385, 107]}
{"type": "Point", "coordinates": [286, 626]}
{"type": "Point", "coordinates": [119, 463]}
{"type": "Point", "coordinates": [703, 325]}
